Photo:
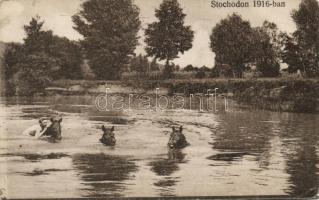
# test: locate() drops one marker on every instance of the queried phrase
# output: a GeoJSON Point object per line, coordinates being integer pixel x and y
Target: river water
{"type": "Point", "coordinates": [240, 152]}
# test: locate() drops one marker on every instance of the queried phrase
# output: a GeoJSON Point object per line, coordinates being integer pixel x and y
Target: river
{"type": "Point", "coordinates": [241, 152]}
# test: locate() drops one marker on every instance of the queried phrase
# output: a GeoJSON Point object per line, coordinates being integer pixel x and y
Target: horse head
{"type": "Point", "coordinates": [54, 130]}
{"type": "Point", "coordinates": [108, 137]}
{"type": "Point", "coordinates": [177, 138]}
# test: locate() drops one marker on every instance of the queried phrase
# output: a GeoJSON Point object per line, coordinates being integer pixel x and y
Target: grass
{"type": "Point", "coordinates": [92, 83]}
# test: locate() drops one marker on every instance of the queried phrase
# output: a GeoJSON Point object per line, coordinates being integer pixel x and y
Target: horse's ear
{"type": "Point", "coordinates": [112, 129]}
{"type": "Point", "coordinates": [173, 128]}
{"type": "Point", "coordinates": [181, 128]}
{"type": "Point", "coordinates": [103, 128]}
{"type": "Point", "coordinates": [60, 120]}
{"type": "Point", "coordinates": [51, 119]}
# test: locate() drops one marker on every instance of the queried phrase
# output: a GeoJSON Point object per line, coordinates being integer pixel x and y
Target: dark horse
{"type": "Point", "coordinates": [177, 139]}
{"type": "Point", "coordinates": [54, 130]}
{"type": "Point", "coordinates": [108, 137]}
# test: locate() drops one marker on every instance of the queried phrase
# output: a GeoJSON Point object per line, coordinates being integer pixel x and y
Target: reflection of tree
{"type": "Point", "coordinates": [301, 166]}
{"type": "Point", "coordinates": [103, 174]}
{"type": "Point", "coordinates": [165, 167]}
{"type": "Point", "coordinates": [242, 133]}
{"type": "Point", "coordinates": [239, 134]}
{"type": "Point", "coordinates": [300, 150]}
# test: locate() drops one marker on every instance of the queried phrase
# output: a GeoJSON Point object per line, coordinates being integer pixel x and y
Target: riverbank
{"type": "Point", "coordinates": [286, 95]}
{"type": "Point", "coordinates": [298, 95]}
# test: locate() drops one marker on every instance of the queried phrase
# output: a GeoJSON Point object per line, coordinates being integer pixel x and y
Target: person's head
{"type": "Point", "coordinates": [43, 122]}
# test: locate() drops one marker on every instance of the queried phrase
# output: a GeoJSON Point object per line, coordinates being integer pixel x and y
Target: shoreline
{"type": "Point", "coordinates": [281, 95]}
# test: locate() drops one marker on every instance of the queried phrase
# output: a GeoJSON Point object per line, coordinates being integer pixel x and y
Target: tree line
{"type": "Point", "coordinates": [110, 36]}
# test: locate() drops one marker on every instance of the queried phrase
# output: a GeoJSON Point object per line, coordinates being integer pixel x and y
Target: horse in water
{"type": "Point", "coordinates": [177, 139]}
{"type": "Point", "coordinates": [108, 137]}
{"type": "Point", "coordinates": [54, 130]}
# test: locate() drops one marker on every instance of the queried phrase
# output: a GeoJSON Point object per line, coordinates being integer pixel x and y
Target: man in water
{"type": "Point", "coordinates": [37, 130]}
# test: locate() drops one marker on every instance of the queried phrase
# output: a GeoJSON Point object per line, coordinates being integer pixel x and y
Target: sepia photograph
{"type": "Point", "coordinates": [159, 99]}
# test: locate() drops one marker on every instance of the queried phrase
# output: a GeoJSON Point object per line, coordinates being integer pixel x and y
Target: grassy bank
{"type": "Point", "coordinates": [293, 95]}
{"type": "Point", "coordinates": [298, 95]}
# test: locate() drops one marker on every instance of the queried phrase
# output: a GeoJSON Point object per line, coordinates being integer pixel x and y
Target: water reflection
{"type": "Point", "coordinates": [164, 168]}
{"type": "Point", "coordinates": [103, 175]}
{"type": "Point", "coordinates": [242, 134]}
{"type": "Point", "coordinates": [228, 157]}
{"type": "Point", "coordinates": [274, 153]}
{"type": "Point", "coordinates": [34, 157]}
{"type": "Point", "coordinates": [301, 151]}
{"type": "Point", "coordinates": [40, 172]}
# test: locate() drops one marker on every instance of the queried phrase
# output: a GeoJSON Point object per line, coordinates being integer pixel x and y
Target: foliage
{"type": "Point", "coordinates": [140, 65]}
{"type": "Point", "coordinates": [205, 68]}
{"type": "Point", "coordinates": [36, 39]}
{"type": "Point", "coordinates": [35, 73]}
{"type": "Point", "coordinates": [200, 73]}
{"type": "Point", "coordinates": [214, 73]}
{"type": "Point", "coordinates": [268, 68]}
{"type": "Point", "coordinates": [191, 68]}
{"type": "Point", "coordinates": [67, 52]}
{"type": "Point", "coordinates": [176, 68]}
{"type": "Point", "coordinates": [69, 55]}
{"type": "Point", "coordinates": [42, 57]}
{"type": "Point", "coordinates": [267, 51]}
{"type": "Point", "coordinates": [14, 53]}
{"type": "Point", "coordinates": [292, 54]}
{"type": "Point", "coordinates": [154, 66]}
{"type": "Point", "coordinates": [169, 36]}
{"type": "Point", "coordinates": [109, 29]}
{"type": "Point", "coordinates": [222, 70]}
{"type": "Point", "coordinates": [232, 42]}
{"type": "Point", "coordinates": [307, 35]}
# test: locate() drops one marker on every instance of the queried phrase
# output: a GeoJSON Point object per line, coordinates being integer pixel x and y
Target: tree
{"type": "Point", "coordinates": [232, 42]}
{"type": "Point", "coordinates": [69, 55]}
{"type": "Point", "coordinates": [267, 49]}
{"type": "Point", "coordinates": [35, 36]}
{"type": "Point", "coordinates": [109, 29]}
{"type": "Point", "coordinates": [140, 65]}
{"type": "Point", "coordinates": [35, 73]}
{"type": "Point", "coordinates": [177, 68]}
{"type": "Point", "coordinates": [292, 54]}
{"type": "Point", "coordinates": [205, 68]}
{"type": "Point", "coordinates": [169, 36]}
{"type": "Point", "coordinates": [43, 57]}
{"type": "Point", "coordinates": [221, 70]}
{"type": "Point", "coordinates": [13, 55]}
{"type": "Point", "coordinates": [189, 68]}
{"type": "Point", "coordinates": [307, 35]}
{"type": "Point", "coordinates": [154, 66]}
{"type": "Point", "coordinates": [201, 73]}
{"type": "Point", "coordinates": [66, 52]}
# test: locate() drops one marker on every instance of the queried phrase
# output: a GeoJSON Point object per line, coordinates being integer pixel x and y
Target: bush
{"type": "Point", "coordinates": [214, 73]}
{"type": "Point", "coordinates": [35, 73]}
{"type": "Point", "coordinates": [268, 69]}
{"type": "Point", "coordinates": [200, 74]}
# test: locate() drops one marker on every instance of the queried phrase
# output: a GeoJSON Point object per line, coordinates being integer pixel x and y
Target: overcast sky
{"type": "Point", "coordinates": [57, 16]}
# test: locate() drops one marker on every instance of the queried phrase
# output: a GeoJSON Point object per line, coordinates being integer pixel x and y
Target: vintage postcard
{"type": "Point", "coordinates": [126, 99]}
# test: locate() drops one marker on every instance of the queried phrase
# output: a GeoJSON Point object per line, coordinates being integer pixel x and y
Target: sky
{"type": "Point", "coordinates": [199, 15]}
